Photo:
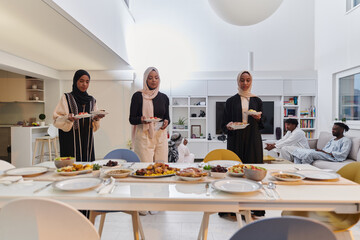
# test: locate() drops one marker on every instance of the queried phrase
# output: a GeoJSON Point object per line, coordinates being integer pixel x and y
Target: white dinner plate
{"type": "Point", "coordinates": [82, 116]}
{"type": "Point", "coordinates": [319, 175]}
{"type": "Point", "coordinates": [253, 113]}
{"type": "Point", "coordinates": [26, 171]}
{"type": "Point", "coordinates": [191, 178]}
{"type": "Point", "coordinates": [153, 120]}
{"type": "Point", "coordinates": [236, 185]}
{"type": "Point", "coordinates": [236, 127]}
{"type": "Point", "coordinates": [77, 184]}
{"type": "Point", "coordinates": [94, 113]}
{"type": "Point", "coordinates": [296, 176]}
{"type": "Point", "coordinates": [73, 173]}
{"type": "Point", "coordinates": [223, 163]}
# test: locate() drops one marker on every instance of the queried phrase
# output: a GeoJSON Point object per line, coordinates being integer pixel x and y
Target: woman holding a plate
{"type": "Point", "coordinates": [76, 130]}
{"type": "Point", "coordinates": [149, 117]}
{"type": "Point", "coordinates": [245, 142]}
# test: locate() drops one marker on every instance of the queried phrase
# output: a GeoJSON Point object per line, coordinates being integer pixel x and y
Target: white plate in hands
{"type": "Point", "coordinates": [238, 125]}
{"type": "Point", "coordinates": [153, 120]}
{"type": "Point", "coordinates": [253, 113]}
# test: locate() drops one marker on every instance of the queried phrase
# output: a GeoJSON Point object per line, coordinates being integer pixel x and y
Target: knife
{"type": "Point", "coordinates": [42, 188]}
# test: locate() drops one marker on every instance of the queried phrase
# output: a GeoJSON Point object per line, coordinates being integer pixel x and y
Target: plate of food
{"type": "Point", "coordinates": [75, 169]}
{"type": "Point", "coordinates": [319, 175]}
{"type": "Point", "coordinates": [238, 125]}
{"type": "Point", "coordinates": [236, 170]}
{"type": "Point", "coordinates": [82, 115]}
{"type": "Point", "coordinates": [191, 174]}
{"type": "Point", "coordinates": [26, 171]}
{"type": "Point", "coordinates": [118, 173]}
{"type": "Point", "coordinates": [287, 176]}
{"type": "Point", "coordinates": [155, 170]}
{"type": "Point", "coordinates": [99, 112]}
{"type": "Point", "coordinates": [153, 119]}
{"type": "Point", "coordinates": [77, 184]}
{"type": "Point", "coordinates": [253, 112]}
{"type": "Point", "coordinates": [236, 185]}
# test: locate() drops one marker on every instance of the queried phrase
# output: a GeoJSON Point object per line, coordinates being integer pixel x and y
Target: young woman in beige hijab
{"type": "Point", "coordinates": [246, 143]}
{"type": "Point", "coordinates": [150, 138]}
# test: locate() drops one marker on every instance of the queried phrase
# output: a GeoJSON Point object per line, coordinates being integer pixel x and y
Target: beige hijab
{"type": "Point", "coordinates": [241, 92]}
{"type": "Point", "coordinates": [148, 96]}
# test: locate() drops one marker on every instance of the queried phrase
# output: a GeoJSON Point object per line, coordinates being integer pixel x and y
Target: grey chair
{"type": "Point", "coordinates": [285, 228]}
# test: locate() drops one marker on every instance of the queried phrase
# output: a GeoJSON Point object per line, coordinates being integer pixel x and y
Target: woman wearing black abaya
{"type": "Point", "coordinates": [246, 143]}
{"type": "Point", "coordinates": [76, 135]}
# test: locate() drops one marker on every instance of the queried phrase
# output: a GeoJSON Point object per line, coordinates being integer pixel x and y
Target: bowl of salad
{"type": "Point", "coordinates": [236, 170]}
{"type": "Point", "coordinates": [254, 173]}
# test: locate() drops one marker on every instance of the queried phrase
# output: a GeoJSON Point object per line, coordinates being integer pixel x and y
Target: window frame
{"type": "Point", "coordinates": [353, 124]}
{"type": "Point", "coordinates": [350, 6]}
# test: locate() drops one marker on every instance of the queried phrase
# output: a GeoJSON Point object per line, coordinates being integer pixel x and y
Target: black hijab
{"type": "Point", "coordinates": [80, 97]}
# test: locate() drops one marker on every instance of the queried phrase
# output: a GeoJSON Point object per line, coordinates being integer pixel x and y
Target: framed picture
{"type": "Point", "coordinates": [196, 131]}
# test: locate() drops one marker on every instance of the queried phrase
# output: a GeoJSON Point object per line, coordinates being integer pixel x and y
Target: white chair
{"type": "Point", "coordinates": [43, 219]}
{"type": "Point", "coordinates": [290, 228]}
{"type": "Point", "coordinates": [50, 140]}
{"type": "Point", "coordinates": [4, 165]}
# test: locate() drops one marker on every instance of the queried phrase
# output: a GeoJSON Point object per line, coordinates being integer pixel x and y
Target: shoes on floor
{"type": "Point", "coordinates": [143, 213]}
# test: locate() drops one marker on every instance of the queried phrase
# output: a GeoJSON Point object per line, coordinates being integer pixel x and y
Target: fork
{"type": "Point", "coordinates": [104, 183]}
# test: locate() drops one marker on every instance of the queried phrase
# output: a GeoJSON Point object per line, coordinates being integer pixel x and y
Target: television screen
{"type": "Point", "coordinates": [268, 115]}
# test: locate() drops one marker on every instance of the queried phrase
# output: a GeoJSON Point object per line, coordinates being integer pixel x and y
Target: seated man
{"type": "Point", "coordinates": [173, 154]}
{"type": "Point", "coordinates": [336, 150]}
{"type": "Point", "coordinates": [293, 139]}
{"type": "Point", "coordinates": [184, 154]}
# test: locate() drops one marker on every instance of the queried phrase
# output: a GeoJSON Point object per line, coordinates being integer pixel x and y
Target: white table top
{"type": "Point", "coordinates": [192, 197]}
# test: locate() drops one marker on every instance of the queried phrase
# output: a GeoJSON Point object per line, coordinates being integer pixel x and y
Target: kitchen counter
{"type": "Point", "coordinates": [22, 143]}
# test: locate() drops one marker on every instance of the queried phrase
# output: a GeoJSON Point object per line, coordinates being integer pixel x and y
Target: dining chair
{"type": "Point", "coordinates": [125, 154]}
{"type": "Point", "coordinates": [129, 156]}
{"type": "Point", "coordinates": [221, 154]}
{"type": "Point", "coordinates": [290, 228]}
{"type": "Point", "coordinates": [4, 165]}
{"type": "Point", "coordinates": [335, 221]}
{"type": "Point", "coordinates": [43, 219]}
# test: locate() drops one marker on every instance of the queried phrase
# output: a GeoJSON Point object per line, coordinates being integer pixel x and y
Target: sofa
{"type": "Point", "coordinates": [320, 143]}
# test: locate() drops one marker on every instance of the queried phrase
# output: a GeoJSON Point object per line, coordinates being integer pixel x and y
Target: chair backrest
{"type": "Point", "coordinates": [290, 228]}
{"type": "Point", "coordinates": [221, 154]}
{"type": "Point", "coordinates": [53, 131]}
{"type": "Point", "coordinates": [4, 165]}
{"type": "Point", "coordinates": [43, 219]}
{"type": "Point", "coordinates": [351, 171]}
{"type": "Point", "coordinates": [125, 154]}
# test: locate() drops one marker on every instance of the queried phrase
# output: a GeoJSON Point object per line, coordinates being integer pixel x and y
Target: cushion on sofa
{"type": "Point", "coordinates": [324, 138]}
{"type": "Point", "coordinates": [354, 148]}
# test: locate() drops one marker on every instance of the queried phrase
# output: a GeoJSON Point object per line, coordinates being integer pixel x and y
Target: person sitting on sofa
{"type": "Point", "coordinates": [336, 150]}
{"type": "Point", "coordinates": [184, 153]}
{"type": "Point", "coordinates": [293, 139]}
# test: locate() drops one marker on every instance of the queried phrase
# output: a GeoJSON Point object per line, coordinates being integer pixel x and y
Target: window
{"type": "Point", "coordinates": [351, 4]}
{"type": "Point", "coordinates": [348, 97]}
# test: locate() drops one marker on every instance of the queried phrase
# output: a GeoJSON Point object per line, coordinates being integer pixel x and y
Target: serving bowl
{"type": "Point", "coordinates": [255, 174]}
{"type": "Point", "coordinates": [64, 161]}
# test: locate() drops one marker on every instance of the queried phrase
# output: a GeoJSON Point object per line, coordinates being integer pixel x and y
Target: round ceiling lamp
{"type": "Point", "coordinates": [244, 12]}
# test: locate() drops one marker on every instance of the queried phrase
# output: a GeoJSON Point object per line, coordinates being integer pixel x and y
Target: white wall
{"type": "Point", "coordinates": [186, 36]}
{"type": "Point", "coordinates": [337, 48]}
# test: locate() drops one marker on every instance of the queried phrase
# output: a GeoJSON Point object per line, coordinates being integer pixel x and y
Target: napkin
{"type": "Point", "coordinates": [106, 189]}
{"type": "Point", "coordinates": [10, 179]}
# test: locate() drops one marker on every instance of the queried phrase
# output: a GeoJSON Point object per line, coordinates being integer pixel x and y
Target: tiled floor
{"type": "Point", "coordinates": [177, 226]}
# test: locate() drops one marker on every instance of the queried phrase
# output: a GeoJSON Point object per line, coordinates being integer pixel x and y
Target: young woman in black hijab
{"type": "Point", "coordinates": [76, 135]}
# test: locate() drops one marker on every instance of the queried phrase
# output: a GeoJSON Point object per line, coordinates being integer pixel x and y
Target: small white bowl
{"type": "Point", "coordinates": [218, 174]}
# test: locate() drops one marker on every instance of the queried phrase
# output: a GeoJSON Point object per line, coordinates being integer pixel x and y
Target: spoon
{"type": "Point", "coordinates": [105, 183]}
{"type": "Point", "coordinates": [272, 186]}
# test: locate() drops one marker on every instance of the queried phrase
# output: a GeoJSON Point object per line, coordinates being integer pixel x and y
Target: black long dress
{"type": "Point", "coordinates": [246, 143]}
{"type": "Point", "coordinates": [82, 131]}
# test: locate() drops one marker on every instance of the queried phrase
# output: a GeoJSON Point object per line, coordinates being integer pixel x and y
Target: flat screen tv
{"type": "Point", "coordinates": [268, 114]}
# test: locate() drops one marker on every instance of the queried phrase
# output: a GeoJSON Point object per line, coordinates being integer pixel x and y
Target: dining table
{"type": "Point", "coordinates": [173, 194]}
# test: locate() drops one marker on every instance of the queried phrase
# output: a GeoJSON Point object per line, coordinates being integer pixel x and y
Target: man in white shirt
{"type": "Point", "coordinates": [184, 154]}
{"type": "Point", "coordinates": [293, 139]}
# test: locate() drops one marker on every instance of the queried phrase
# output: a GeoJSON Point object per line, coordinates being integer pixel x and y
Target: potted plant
{"type": "Point", "coordinates": [180, 124]}
{"type": "Point", "coordinates": [42, 119]}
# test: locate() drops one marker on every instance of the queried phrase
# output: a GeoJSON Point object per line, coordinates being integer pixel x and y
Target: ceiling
{"type": "Point", "coordinates": [34, 31]}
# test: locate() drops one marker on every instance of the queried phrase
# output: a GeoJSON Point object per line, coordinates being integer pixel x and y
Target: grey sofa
{"type": "Point", "coordinates": [324, 138]}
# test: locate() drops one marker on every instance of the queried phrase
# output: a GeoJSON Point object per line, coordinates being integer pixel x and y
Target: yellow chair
{"type": "Point", "coordinates": [336, 222]}
{"type": "Point", "coordinates": [221, 154]}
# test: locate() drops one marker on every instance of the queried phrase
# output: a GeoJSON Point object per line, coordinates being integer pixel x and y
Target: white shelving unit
{"type": "Point", "coordinates": [303, 108]}
{"type": "Point", "coordinates": [189, 109]}
{"type": "Point", "coordinates": [34, 89]}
